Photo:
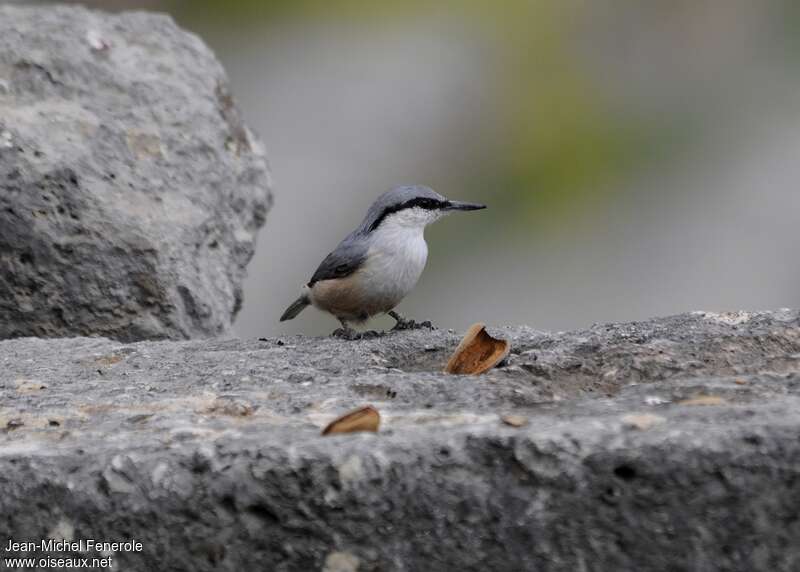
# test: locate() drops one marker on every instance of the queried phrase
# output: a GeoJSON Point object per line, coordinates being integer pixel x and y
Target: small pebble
{"type": "Point", "coordinates": [96, 41]}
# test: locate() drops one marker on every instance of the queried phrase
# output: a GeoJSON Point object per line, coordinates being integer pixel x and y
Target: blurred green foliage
{"type": "Point", "coordinates": [561, 144]}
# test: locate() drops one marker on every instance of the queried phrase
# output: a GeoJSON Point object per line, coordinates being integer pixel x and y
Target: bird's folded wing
{"type": "Point", "coordinates": [345, 260]}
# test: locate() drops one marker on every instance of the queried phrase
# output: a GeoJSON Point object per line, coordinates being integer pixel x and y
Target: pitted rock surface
{"type": "Point", "coordinates": [662, 444]}
{"type": "Point", "coordinates": [130, 189]}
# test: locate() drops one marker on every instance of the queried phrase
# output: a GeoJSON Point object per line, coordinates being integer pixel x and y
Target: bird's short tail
{"type": "Point", "coordinates": [297, 306]}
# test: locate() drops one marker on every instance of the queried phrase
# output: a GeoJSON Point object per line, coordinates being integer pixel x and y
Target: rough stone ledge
{"type": "Point", "coordinates": [665, 444]}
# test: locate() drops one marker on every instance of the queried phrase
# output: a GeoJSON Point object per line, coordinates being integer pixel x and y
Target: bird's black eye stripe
{"type": "Point", "coordinates": [419, 202]}
{"type": "Point", "coordinates": [423, 203]}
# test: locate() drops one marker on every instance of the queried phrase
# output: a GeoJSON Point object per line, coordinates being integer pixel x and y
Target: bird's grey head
{"type": "Point", "coordinates": [413, 206]}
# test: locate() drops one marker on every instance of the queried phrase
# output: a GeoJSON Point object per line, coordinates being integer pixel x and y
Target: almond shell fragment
{"type": "Point", "coordinates": [364, 418]}
{"type": "Point", "coordinates": [478, 352]}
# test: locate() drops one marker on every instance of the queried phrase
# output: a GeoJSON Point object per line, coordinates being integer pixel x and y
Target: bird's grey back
{"type": "Point", "coordinates": [351, 253]}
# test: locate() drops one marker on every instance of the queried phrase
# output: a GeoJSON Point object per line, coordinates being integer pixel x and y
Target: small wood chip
{"type": "Point", "coordinates": [704, 400]}
{"type": "Point", "coordinates": [514, 420]}
{"type": "Point", "coordinates": [364, 418]}
{"type": "Point", "coordinates": [108, 360]}
{"type": "Point", "coordinates": [740, 382]}
{"type": "Point", "coordinates": [477, 353]}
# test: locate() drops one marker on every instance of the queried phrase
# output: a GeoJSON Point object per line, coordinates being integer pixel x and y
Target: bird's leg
{"type": "Point", "coordinates": [346, 332]}
{"type": "Point", "coordinates": [406, 324]}
{"type": "Point", "coordinates": [369, 334]}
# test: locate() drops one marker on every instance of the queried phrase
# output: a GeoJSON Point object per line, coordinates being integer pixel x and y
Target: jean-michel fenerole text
{"type": "Point", "coordinates": [82, 545]}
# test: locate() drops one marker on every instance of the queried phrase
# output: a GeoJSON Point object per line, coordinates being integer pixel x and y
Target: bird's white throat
{"type": "Point", "coordinates": [397, 254]}
{"type": "Point", "coordinates": [401, 237]}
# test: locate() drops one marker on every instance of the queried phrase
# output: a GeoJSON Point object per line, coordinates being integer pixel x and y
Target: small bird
{"type": "Point", "coordinates": [379, 263]}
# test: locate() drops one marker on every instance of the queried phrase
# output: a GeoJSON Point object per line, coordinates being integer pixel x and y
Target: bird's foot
{"type": "Point", "coordinates": [408, 324]}
{"type": "Point", "coordinates": [372, 334]}
{"type": "Point", "coordinates": [412, 325]}
{"type": "Point", "coordinates": [351, 334]}
{"type": "Point", "coordinates": [346, 334]}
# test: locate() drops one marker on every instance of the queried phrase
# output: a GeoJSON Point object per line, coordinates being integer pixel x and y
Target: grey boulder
{"type": "Point", "coordinates": [130, 190]}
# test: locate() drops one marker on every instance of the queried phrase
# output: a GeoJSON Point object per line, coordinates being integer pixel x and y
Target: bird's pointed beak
{"type": "Point", "coordinates": [461, 206]}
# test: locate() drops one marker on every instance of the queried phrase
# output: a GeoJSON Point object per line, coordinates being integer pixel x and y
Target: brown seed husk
{"type": "Point", "coordinates": [477, 353]}
{"type": "Point", "coordinates": [364, 418]}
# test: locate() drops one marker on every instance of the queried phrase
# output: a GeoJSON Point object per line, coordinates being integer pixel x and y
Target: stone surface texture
{"type": "Point", "coordinates": [668, 444]}
{"type": "Point", "coordinates": [130, 189]}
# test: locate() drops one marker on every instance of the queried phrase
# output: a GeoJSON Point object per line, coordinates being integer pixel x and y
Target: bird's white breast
{"type": "Point", "coordinates": [395, 261]}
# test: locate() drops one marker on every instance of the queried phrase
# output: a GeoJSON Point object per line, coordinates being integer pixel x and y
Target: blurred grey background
{"type": "Point", "coordinates": [638, 157]}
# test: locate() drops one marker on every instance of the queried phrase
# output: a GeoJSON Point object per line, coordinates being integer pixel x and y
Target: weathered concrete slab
{"type": "Point", "coordinates": [666, 444]}
{"type": "Point", "coordinates": [130, 189]}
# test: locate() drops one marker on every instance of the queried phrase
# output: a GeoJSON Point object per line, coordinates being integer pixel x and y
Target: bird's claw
{"type": "Point", "coordinates": [412, 325]}
{"type": "Point", "coordinates": [371, 334]}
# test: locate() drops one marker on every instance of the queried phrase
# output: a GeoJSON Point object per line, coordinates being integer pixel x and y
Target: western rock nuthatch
{"type": "Point", "coordinates": [377, 264]}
